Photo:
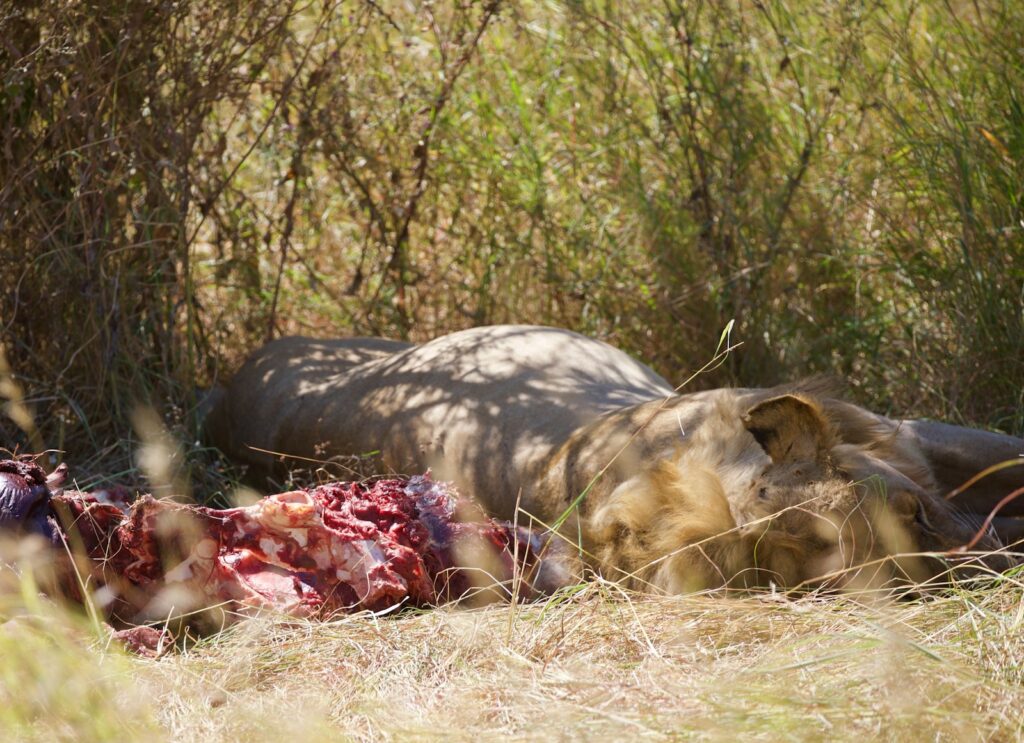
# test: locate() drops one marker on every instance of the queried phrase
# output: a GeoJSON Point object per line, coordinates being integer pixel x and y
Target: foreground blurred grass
{"type": "Point", "coordinates": [181, 181]}
{"type": "Point", "coordinates": [594, 665]}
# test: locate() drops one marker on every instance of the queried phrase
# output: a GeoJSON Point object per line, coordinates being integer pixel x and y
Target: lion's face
{"type": "Point", "coordinates": [834, 528]}
{"type": "Point", "coordinates": [780, 500]}
{"type": "Point", "coordinates": [853, 517]}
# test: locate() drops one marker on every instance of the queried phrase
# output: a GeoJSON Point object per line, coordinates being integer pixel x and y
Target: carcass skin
{"type": "Point", "coordinates": [520, 415]}
{"type": "Point", "coordinates": [957, 454]}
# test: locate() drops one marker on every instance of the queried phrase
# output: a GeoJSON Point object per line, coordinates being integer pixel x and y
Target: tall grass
{"type": "Point", "coordinates": [180, 182]}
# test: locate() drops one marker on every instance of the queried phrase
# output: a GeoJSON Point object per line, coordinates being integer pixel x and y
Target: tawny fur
{"type": "Point", "coordinates": [773, 496]}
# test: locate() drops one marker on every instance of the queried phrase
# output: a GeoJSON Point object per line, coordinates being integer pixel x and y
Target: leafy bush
{"type": "Point", "coordinates": [180, 181]}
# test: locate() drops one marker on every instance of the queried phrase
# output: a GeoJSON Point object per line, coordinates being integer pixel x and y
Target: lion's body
{"type": "Point", "coordinates": [531, 418]}
{"type": "Point", "coordinates": [483, 407]}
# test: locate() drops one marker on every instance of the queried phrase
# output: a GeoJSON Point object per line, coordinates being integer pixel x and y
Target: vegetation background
{"type": "Point", "coordinates": [182, 180]}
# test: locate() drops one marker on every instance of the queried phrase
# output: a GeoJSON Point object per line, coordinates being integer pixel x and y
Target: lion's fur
{"type": "Point", "coordinates": [735, 487]}
{"type": "Point", "coordinates": [673, 525]}
{"type": "Point", "coordinates": [774, 497]}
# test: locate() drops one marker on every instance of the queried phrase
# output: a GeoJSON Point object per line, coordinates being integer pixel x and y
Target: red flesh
{"type": "Point", "coordinates": [336, 548]}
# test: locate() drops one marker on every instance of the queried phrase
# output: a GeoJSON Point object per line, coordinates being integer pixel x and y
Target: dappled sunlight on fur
{"type": "Point", "coordinates": [772, 497]}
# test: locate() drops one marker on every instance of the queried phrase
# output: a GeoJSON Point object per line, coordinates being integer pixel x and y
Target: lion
{"type": "Point", "coordinates": [783, 487]}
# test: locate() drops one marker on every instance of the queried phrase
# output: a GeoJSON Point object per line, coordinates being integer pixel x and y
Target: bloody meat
{"type": "Point", "coordinates": [338, 547]}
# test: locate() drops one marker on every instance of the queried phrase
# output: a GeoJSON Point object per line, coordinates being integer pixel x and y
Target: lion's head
{"type": "Point", "coordinates": [774, 495]}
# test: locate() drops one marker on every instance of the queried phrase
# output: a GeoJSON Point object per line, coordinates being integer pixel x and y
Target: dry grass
{"type": "Point", "coordinates": [593, 664]}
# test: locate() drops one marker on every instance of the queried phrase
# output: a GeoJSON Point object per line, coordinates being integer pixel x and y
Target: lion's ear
{"type": "Point", "coordinates": [790, 429]}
